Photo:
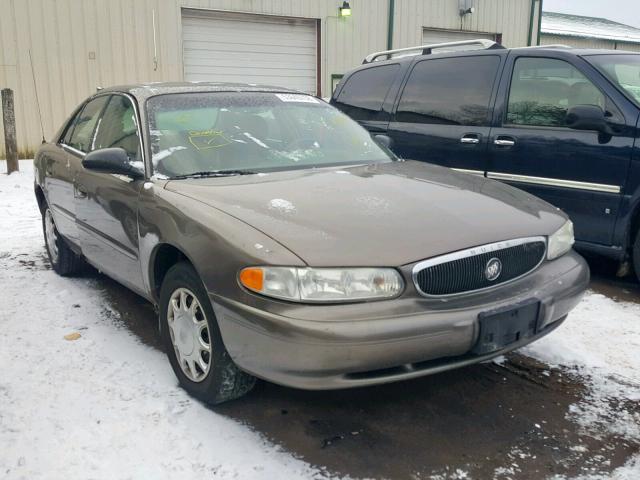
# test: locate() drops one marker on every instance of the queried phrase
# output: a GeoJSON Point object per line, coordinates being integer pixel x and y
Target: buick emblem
{"type": "Point", "coordinates": [493, 269]}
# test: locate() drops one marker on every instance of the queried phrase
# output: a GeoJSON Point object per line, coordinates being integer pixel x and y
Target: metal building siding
{"type": "Point", "coordinates": [509, 18]}
{"type": "Point", "coordinates": [241, 47]}
{"type": "Point", "coordinates": [578, 42]}
{"type": "Point", "coordinates": [61, 34]}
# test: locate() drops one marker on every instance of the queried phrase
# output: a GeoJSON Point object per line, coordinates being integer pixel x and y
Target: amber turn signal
{"type": "Point", "coordinates": [252, 278]}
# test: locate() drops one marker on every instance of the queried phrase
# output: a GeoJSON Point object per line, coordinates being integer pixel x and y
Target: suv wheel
{"type": "Point", "coordinates": [63, 260]}
{"type": "Point", "coordinates": [193, 342]}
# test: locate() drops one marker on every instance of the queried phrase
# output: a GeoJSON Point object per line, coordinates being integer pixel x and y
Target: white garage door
{"type": "Point", "coordinates": [232, 47]}
{"type": "Point", "coordinates": [430, 36]}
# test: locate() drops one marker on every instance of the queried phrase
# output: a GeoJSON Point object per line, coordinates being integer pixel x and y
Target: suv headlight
{"type": "Point", "coordinates": [323, 285]}
{"type": "Point", "coordinates": [561, 241]}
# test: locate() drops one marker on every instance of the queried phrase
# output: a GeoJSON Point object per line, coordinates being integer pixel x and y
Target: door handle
{"type": "Point", "coordinates": [79, 191]}
{"type": "Point", "coordinates": [504, 141]}
{"type": "Point", "coordinates": [471, 139]}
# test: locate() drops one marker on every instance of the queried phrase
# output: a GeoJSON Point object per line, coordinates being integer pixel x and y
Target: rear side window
{"type": "Point", "coordinates": [365, 91]}
{"type": "Point", "coordinates": [84, 125]}
{"type": "Point", "coordinates": [542, 89]}
{"type": "Point", "coordinates": [449, 91]}
{"type": "Point", "coordinates": [118, 127]}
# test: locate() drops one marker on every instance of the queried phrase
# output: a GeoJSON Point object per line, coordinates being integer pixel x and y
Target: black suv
{"type": "Point", "coordinates": [560, 123]}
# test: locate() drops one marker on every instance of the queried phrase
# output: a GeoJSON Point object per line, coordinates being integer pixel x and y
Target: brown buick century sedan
{"type": "Point", "coordinates": [279, 240]}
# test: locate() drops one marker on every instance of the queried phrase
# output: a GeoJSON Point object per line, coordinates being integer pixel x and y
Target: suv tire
{"type": "Point", "coordinates": [192, 340]}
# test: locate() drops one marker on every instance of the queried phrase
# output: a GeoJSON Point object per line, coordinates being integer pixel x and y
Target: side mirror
{"type": "Point", "coordinates": [110, 160]}
{"type": "Point", "coordinates": [384, 141]}
{"type": "Point", "coordinates": [587, 117]}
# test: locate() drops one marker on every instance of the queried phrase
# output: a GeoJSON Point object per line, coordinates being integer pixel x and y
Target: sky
{"type": "Point", "coordinates": [623, 11]}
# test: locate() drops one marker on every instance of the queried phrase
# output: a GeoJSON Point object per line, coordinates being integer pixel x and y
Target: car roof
{"type": "Point", "coordinates": [142, 91]}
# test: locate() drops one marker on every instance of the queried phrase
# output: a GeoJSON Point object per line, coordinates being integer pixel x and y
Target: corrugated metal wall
{"type": "Point", "coordinates": [509, 18]}
{"type": "Point", "coordinates": [78, 45]}
{"type": "Point", "coordinates": [548, 39]}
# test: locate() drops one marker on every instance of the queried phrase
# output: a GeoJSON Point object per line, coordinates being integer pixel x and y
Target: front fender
{"type": "Point", "coordinates": [216, 243]}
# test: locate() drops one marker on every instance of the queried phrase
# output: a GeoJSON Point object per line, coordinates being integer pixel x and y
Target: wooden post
{"type": "Point", "coordinates": [9, 122]}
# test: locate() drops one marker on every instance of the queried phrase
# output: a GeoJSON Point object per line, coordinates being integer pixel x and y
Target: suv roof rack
{"type": "Point", "coordinates": [551, 45]}
{"type": "Point", "coordinates": [426, 49]}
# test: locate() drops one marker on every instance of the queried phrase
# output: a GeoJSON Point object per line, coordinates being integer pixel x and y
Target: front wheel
{"type": "Point", "coordinates": [193, 342]}
{"type": "Point", "coordinates": [63, 260]}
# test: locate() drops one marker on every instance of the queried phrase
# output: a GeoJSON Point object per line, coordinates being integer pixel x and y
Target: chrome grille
{"type": "Point", "coordinates": [467, 270]}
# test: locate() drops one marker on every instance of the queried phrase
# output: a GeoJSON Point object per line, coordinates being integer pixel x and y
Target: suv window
{"type": "Point", "coordinates": [542, 89]}
{"type": "Point", "coordinates": [118, 128]}
{"type": "Point", "coordinates": [84, 124]}
{"type": "Point", "coordinates": [365, 91]}
{"type": "Point", "coordinates": [450, 91]}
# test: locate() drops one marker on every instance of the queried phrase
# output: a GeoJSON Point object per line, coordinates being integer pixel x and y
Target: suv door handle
{"type": "Point", "coordinates": [503, 141]}
{"type": "Point", "coordinates": [470, 138]}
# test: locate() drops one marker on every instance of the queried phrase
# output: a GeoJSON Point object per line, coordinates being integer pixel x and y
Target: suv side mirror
{"type": "Point", "coordinates": [384, 140]}
{"type": "Point", "coordinates": [110, 160]}
{"type": "Point", "coordinates": [587, 117]}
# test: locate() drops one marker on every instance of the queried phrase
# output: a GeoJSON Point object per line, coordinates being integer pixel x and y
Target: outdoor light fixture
{"type": "Point", "coordinates": [345, 9]}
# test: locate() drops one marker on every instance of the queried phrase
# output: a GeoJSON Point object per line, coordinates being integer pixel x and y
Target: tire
{"type": "Point", "coordinates": [209, 375]}
{"type": "Point", "coordinates": [63, 260]}
{"type": "Point", "coordinates": [635, 255]}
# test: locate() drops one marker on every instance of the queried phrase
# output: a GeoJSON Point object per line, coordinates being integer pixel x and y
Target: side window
{"type": "Point", "coordinates": [118, 127]}
{"type": "Point", "coordinates": [449, 91]}
{"type": "Point", "coordinates": [65, 138]}
{"type": "Point", "coordinates": [84, 125]}
{"type": "Point", "coordinates": [542, 89]}
{"type": "Point", "coordinates": [363, 95]}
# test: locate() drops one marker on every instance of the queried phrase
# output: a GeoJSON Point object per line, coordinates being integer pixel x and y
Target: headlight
{"type": "Point", "coordinates": [561, 241]}
{"type": "Point", "coordinates": [323, 284]}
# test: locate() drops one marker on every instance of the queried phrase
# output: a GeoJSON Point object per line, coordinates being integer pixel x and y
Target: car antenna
{"type": "Point", "coordinates": [35, 87]}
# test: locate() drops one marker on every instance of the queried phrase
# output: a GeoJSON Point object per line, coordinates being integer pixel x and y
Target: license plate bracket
{"type": "Point", "coordinates": [507, 325]}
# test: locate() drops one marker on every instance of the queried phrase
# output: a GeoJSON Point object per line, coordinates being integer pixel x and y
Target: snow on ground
{"type": "Point", "coordinates": [600, 342]}
{"type": "Point", "coordinates": [107, 403]}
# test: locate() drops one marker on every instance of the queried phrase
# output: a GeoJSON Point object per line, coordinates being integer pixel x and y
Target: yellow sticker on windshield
{"type": "Point", "coordinates": [206, 139]}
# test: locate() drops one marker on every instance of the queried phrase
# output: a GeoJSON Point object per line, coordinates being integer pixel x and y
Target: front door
{"type": "Point", "coordinates": [107, 205]}
{"type": "Point", "coordinates": [443, 113]}
{"type": "Point", "coordinates": [581, 172]}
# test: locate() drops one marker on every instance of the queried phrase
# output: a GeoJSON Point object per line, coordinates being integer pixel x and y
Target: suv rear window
{"type": "Point", "coordinates": [365, 91]}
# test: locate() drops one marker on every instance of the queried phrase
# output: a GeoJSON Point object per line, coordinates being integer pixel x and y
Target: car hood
{"type": "Point", "coordinates": [385, 214]}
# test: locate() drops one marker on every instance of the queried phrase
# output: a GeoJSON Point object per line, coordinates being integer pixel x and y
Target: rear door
{"type": "Point", "coordinates": [443, 114]}
{"type": "Point", "coordinates": [74, 144]}
{"type": "Point", "coordinates": [581, 172]}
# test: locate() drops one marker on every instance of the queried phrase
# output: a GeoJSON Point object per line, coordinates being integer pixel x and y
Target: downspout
{"type": "Point", "coordinates": [392, 7]}
{"type": "Point", "coordinates": [539, 22]}
{"type": "Point", "coordinates": [532, 12]}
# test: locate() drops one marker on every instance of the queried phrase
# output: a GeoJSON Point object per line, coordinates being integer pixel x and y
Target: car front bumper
{"type": "Point", "coordinates": [301, 351]}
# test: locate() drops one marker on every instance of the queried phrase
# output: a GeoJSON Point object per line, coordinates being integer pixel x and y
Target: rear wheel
{"type": "Point", "coordinates": [63, 260]}
{"type": "Point", "coordinates": [193, 342]}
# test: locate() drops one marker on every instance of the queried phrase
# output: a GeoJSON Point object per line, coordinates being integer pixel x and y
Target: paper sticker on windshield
{"type": "Point", "coordinates": [296, 97]}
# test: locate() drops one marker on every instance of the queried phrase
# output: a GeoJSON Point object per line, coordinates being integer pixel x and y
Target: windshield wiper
{"type": "Point", "coordinates": [213, 173]}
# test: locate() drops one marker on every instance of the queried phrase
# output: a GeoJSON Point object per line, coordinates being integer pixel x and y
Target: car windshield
{"type": "Point", "coordinates": [623, 70]}
{"type": "Point", "coordinates": [245, 132]}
